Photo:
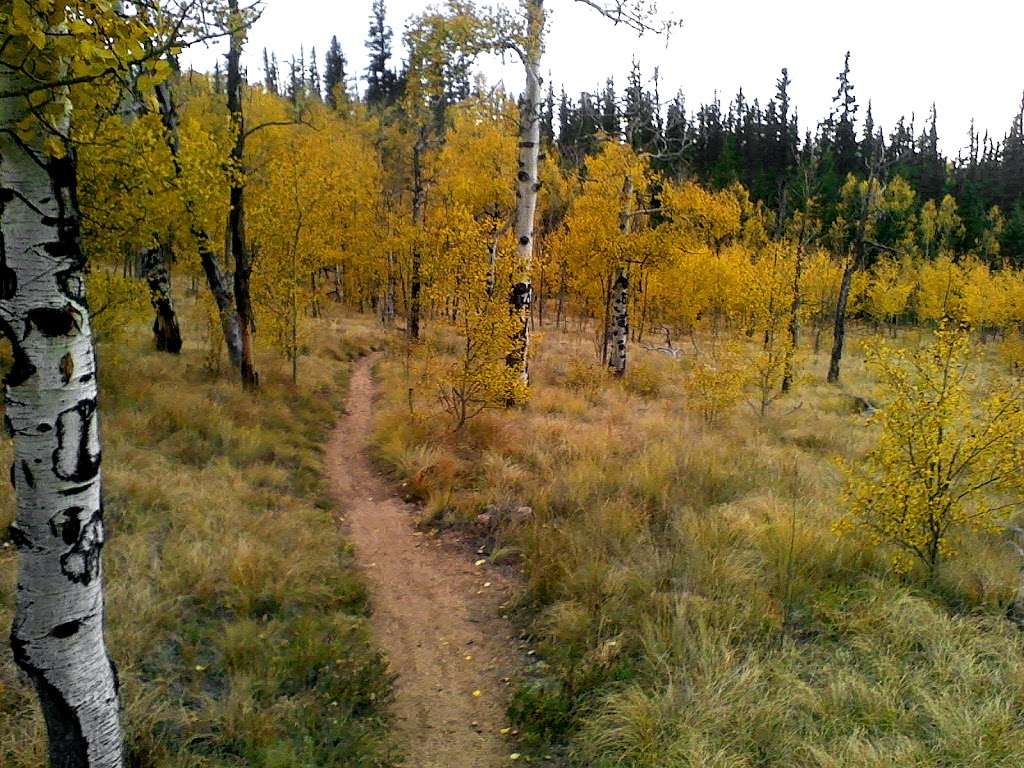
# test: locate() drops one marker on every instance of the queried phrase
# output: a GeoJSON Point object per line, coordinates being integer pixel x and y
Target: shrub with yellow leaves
{"type": "Point", "coordinates": [717, 381]}
{"type": "Point", "coordinates": [948, 459]}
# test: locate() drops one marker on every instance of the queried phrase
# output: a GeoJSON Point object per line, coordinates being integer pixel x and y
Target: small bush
{"type": "Point", "coordinates": [644, 380]}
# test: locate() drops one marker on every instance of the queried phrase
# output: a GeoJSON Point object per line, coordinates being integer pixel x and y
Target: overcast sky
{"type": "Point", "coordinates": [965, 57]}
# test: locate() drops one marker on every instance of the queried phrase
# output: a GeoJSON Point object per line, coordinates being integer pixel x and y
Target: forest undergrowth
{"type": "Point", "coordinates": [236, 620]}
{"type": "Point", "coordinates": [686, 590]}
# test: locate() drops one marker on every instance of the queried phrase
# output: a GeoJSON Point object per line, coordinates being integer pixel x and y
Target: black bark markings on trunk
{"type": "Point", "coordinates": [81, 563]}
{"type": "Point", "coordinates": [68, 746]}
{"type": "Point", "coordinates": [67, 524]}
{"type": "Point", "coordinates": [74, 458]}
{"type": "Point", "coordinates": [54, 322]}
{"type": "Point", "coordinates": [30, 479]}
{"type": "Point", "coordinates": [8, 277]}
{"type": "Point", "coordinates": [22, 368]}
{"type": "Point", "coordinates": [166, 330]}
{"type": "Point", "coordinates": [66, 630]}
{"type": "Point", "coordinates": [75, 490]}
{"type": "Point", "coordinates": [19, 538]}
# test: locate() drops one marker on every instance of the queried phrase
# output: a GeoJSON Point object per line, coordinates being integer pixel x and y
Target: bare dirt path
{"type": "Point", "coordinates": [435, 613]}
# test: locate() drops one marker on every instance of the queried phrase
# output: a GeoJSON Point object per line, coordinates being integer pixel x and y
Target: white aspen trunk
{"type": "Point", "coordinates": [527, 187]}
{"type": "Point", "coordinates": [619, 331]}
{"type": "Point", "coordinates": [617, 328]}
{"type": "Point", "coordinates": [51, 414]}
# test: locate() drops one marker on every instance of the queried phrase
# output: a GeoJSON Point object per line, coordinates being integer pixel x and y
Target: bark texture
{"type": "Point", "coordinates": [51, 414]}
{"type": "Point", "coordinates": [527, 186]}
{"type": "Point", "coordinates": [236, 213]}
{"type": "Point", "coordinates": [619, 332]}
{"type": "Point", "coordinates": [794, 315]}
{"type": "Point", "coordinates": [387, 312]}
{"type": "Point", "coordinates": [207, 257]}
{"type": "Point", "coordinates": [855, 263]}
{"type": "Point", "coordinates": [166, 331]}
{"type": "Point", "coordinates": [419, 205]}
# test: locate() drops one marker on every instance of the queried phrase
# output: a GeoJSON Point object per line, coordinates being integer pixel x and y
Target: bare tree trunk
{"type": "Point", "coordinates": [419, 200]}
{"type": "Point", "coordinates": [236, 213]}
{"type": "Point", "coordinates": [794, 316]}
{"type": "Point", "coordinates": [338, 292]}
{"type": "Point", "coordinates": [51, 414]}
{"type": "Point", "coordinates": [527, 187]}
{"type": "Point", "coordinates": [388, 311]}
{"type": "Point", "coordinates": [839, 327]}
{"type": "Point", "coordinates": [619, 331]}
{"type": "Point", "coordinates": [857, 261]}
{"type": "Point", "coordinates": [211, 269]}
{"type": "Point", "coordinates": [560, 306]}
{"type": "Point", "coordinates": [166, 331]}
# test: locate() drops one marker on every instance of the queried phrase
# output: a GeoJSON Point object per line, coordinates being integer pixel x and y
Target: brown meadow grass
{"type": "Point", "coordinates": [233, 611]}
{"type": "Point", "coordinates": [688, 597]}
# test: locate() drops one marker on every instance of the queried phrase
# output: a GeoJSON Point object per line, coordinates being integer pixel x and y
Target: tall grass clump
{"type": "Point", "coordinates": [234, 613]}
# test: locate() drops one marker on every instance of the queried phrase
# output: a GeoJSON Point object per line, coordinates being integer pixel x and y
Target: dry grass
{"type": "Point", "coordinates": [234, 614]}
{"type": "Point", "coordinates": [690, 600]}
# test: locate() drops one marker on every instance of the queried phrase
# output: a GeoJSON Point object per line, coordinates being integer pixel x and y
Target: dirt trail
{"type": "Point", "coordinates": [435, 614]}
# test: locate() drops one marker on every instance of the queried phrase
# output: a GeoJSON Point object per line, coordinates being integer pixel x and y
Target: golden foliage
{"type": "Point", "coordinates": [948, 458]}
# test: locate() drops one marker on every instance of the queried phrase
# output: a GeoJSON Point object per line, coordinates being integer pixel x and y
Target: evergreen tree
{"type": "Point", "coordinates": [640, 114]}
{"type": "Point", "coordinates": [270, 72]}
{"type": "Point", "coordinates": [218, 78]}
{"type": "Point", "coordinates": [547, 117]}
{"type": "Point", "coordinates": [609, 110]}
{"type": "Point", "coordinates": [314, 76]}
{"type": "Point", "coordinates": [334, 74]}
{"type": "Point", "coordinates": [381, 83]}
{"type": "Point", "coordinates": [676, 138]}
{"type": "Point", "coordinates": [842, 126]}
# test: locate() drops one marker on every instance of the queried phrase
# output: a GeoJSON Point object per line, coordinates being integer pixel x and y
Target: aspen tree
{"type": "Point", "coordinates": [50, 391]}
{"type": "Point", "coordinates": [861, 204]}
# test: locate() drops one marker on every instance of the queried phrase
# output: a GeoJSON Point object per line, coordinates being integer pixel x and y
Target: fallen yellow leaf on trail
{"type": "Point", "coordinates": [514, 756]}
{"type": "Point", "coordinates": [505, 731]}
{"type": "Point", "coordinates": [478, 694]}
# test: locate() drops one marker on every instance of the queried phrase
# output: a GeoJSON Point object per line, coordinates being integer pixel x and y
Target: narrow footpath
{"type": "Point", "coordinates": [436, 614]}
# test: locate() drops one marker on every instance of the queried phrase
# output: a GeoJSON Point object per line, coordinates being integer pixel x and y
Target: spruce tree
{"type": "Point", "coordinates": [609, 110]}
{"type": "Point", "coordinates": [547, 117]}
{"type": "Point", "coordinates": [334, 74]}
{"type": "Point", "coordinates": [314, 76]}
{"type": "Point", "coordinates": [269, 72]}
{"type": "Point", "coordinates": [842, 125]}
{"type": "Point", "coordinates": [380, 81]}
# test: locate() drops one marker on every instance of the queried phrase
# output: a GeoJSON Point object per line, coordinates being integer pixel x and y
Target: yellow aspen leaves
{"type": "Point", "coordinates": [948, 456]}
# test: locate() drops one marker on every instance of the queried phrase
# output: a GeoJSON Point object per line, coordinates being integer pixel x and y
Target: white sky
{"type": "Point", "coordinates": [966, 57]}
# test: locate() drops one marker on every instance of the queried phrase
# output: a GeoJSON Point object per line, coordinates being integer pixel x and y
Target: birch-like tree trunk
{"type": "Point", "coordinates": [617, 329]}
{"type": "Point", "coordinates": [618, 334]}
{"type": "Point", "coordinates": [419, 204]}
{"type": "Point", "coordinates": [236, 212]}
{"type": "Point", "coordinates": [794, 315]}
{"type": "Point", "coordinates": [527, 187]}
{"type": "Point", "coordinates": [51, 414]}
{"type": "Point", "coordinates": [387, 312]}
{"type": "Point", "coordinates": [166, 331]}
{"type": "Point", "coordinates": [211, 269]}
